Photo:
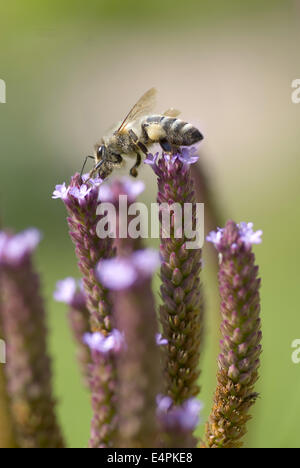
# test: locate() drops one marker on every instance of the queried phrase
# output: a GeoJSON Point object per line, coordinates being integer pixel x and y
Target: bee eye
{"type": "Point", "coordinates": [101, 151]}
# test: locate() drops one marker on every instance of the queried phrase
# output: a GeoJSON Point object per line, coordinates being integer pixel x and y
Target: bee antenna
{"type": "Point", "coordinates": [84, 164]}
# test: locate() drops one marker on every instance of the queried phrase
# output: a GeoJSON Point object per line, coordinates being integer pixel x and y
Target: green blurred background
{"type": "Point", "coordinates": [73, 68]}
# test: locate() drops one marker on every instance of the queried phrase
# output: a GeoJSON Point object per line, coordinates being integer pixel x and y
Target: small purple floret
{"type": "Point", "coordinates": [182, 418]}
{"type": "Point", "coordinates": [160, 340]}
{"type": "Point", "coordinates": [151, 159]}
{"type": "Point", "coordinates": [61, 191]}
{"type": "Point", "coordinates": [15, 248]}
{"type": "Point", "coordinates": [246, 234]}
{"type": "Point", "coordinates": [80, 193]}
{"type": "Point", "coordinates": [102, 344]}
{"type": "Point", "coordinates": [70, 292]}
{"type": "Point", "coordinates": [188, 155]}
{"type": "Point", "coordinates": [122, 273]}
{"type": "Point", "coordinates": [249, 236]}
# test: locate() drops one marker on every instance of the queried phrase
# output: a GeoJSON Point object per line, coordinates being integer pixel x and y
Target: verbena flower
{"type": "Point", "coordinates": [240, 345]}
{"type": "Point", "coordinates": [81, 202]}
{"type": "Point", "coordinates": [178, 422]}
{"type": "Point", "coordinates": [138, 363]}
{"type": "Point", "coordinates": [28, 367]}
{"type": "Point", "coordinates": [71, 292]}
{"type": "Point", "coordinates": [181, 312]}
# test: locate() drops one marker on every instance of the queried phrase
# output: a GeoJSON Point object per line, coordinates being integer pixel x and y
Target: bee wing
{"type": "Point", "coordinates": [144, 106]}
{"type": "Point", "coordinates": [172, 112]}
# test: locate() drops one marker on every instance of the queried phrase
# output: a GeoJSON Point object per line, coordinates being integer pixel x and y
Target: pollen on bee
{"type": "Point", "coordinates": [156, 132]}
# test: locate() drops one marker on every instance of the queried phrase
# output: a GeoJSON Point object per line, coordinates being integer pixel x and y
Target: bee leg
{"type": "Point", "coordinates": [106, 166]}
{"type": "Point", "coordinates": [133, 170]}
{"type": "Point", "coordinates": [84, 164]}
{"type": "Point", "coordinates": [105, 172]}
{"type": "Point", "coordinates": [166, 146]}
{"type": "Point", "coordinates": [138, 143]}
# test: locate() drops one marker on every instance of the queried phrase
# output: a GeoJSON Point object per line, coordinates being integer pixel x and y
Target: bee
{"type": "Point", "coordinates": [139, 130]}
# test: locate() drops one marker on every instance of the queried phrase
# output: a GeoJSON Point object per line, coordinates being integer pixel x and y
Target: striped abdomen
{"type": "Point", "coordinates": [177, 132]}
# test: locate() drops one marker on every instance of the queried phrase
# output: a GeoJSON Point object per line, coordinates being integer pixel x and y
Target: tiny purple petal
{"type": "Point", "coordinates": [133, 188]}
{"type": "Point", "coordinates": [215, 237]}
{"type": "Point", "coordinates": [170, 158]}
{"type": "Point", "coordinates": [114, 342]}
{"type": "Point", "coordinates": [185, 417]}
{"type": "Point", "coordinates": [116, 273]}
{"type": "Point", "coordinates": [94, 182]}
{"type": "Point", "coordinates": [249, 236]}
{"type": "Point", "coordinates": [94, 340]}
{"type": "Point", "coordinates": [160, 341]}
{"type": "Point", "coordinates": [151, 159]}
{"type": "Point", "coordinates": [106, 193]}
{"type": "Point", "coordinates": [164, 403]}
{"type": "Point", "coordinates": [65, 290]}
{"type": "Point", "coordinates": [188, 156]}
{"type": "Point", "coordinates": [146, 261]}
{"type": "Point", "coordinates": [80, 193]}
{"type": "Point", "coordinates": [61, 191]}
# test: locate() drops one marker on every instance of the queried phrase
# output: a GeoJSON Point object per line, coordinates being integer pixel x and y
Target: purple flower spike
{"type": "Point", "coordinates": [16, 249]}
{"type": "Point", "coordinates": [240, 346]}
{"type": "Point", "coordinates": [160, 341]}
{"type": "Point", "coordinates": [181, 312]}
{"type": "Point", "coordinates": [124, 272]}
{"type": "Point", "coordinates": [28, 367]}
{"type": "Point", "coordinates": [82, 203]}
